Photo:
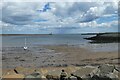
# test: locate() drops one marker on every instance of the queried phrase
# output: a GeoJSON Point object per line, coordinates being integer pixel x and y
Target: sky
{"type": "Point", "coordinates": [58, 17]}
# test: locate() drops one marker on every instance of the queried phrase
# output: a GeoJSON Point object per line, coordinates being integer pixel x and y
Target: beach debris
{"type": "Point", "coordinates": [15, 71]}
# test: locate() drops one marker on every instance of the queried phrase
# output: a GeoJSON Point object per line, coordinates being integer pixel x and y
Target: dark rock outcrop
{"type": "Point", "coordinates": [105, 38]}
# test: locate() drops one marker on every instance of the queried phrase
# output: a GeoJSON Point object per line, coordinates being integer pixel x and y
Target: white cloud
{"type": "Point", "coordinates": [62, 15]}
{"type": "Point", "coordinates": [92, 14]}
{"type": "Point", "coordinates": [94, 24]}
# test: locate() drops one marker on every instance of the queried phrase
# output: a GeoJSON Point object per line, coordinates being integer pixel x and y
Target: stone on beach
{"type": "Point", "coordinates": [106, 69]}
{"type": "Point", "coordinates": [106, 72]}
{"type": "Point", "coordinates": [54, 72]}
{"type": "Point", "coordinates": [117, 68]}
{"type": "Point", "coordinates": [83, 71]}
{"type": "Point", "coordinates": [25, 71]}
{"type": "Point", "coordinates": [103, 72]}
{"type": "Point", "coordinates": [35, 75]}
{"type": "Point", "coordinates": [13, 76]}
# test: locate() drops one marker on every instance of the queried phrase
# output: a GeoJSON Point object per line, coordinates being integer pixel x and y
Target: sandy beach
{"type": "Point", "coordinates": [78, 56]}
{"type": "Point", "coordinates": [49, 60]}
{"type": "Point", "coordinates": [57, 56]}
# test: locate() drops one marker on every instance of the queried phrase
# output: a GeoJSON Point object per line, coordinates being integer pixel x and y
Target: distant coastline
{"type": "Point", "coordinates": [100, 33]}
{"type": "Point", "coordinates": [23, 34]}
{"type": "Point", "coordinates": [104, 37]}
{"type": "Point", "coordinates": [73, 33]}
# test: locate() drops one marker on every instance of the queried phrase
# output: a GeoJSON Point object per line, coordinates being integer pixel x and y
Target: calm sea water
{"type": "Point", "coordinates": [56, 39]}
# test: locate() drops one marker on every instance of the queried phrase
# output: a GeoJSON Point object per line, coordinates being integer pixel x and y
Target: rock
{"type": "Point", "coordinates": [52, 77]}
{"type": "Point", "coordinates": [33, 76]}
{"type": "Point", "coordinates": [25, 71]}
{"type": "Point", "coordinates": [86, 77]}
{"type": "Point", "coordinates": [94, 72]}
{"type": "Point", "coordinates": [116, 73]}
{"type": "Point", "coordinates": [104, 72]}
{"type": "Point", "coordinates": [117, 69]}
{"type": "Point", "coordinates": [73, 78]}
{"type": "Point", "coordinates": [49, 77]}
{"type": "Point", "coordinates": [96, 77]}
{"type": "Point", "coordinates": [106, 69]}
{"type": "Point", "coordinates": [83, 71]}
{"type": "Point", "coordinates": [54, 72]}
{"type": "Point", "coordinates": [56, 77]}
{"type": "Point", "coordinates": [13, 77]}
{"type": "Point", "coordinates": [44, 70]}
{"type": "Point", "coordinates": [111, 75]}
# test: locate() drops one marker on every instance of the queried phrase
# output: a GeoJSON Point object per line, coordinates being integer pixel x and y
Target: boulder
{"type": "Point", "coordinates": [96, 77]}
{"type": "Point", "coordinates": [25, 71]}
{"type": "Point", "coordinates": [52, 77]}
{"type": "Point", "coordinates": [33, 76]}
{"type": "Point", "coordinates": [83, 71]}
{"type": "Point", "coordinates": [86, 77]}
{"type": "Point", "coordinates": [117, 68]}
{"type": "Point", "coordinates": [105, 72]}
{"type": "Point", "coordinates": [13, 77]}
{"type": "Point", "coordinates": [106, 69]}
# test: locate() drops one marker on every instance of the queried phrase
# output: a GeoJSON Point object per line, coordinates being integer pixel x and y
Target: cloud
{"type": "Point", "coordinates": [19, 13]}
{"type": "Point", "coordinates": [70, 9]}
{"type": "Point", "coordinates": [94, 24]}
{"type": "Point", "coordinates": [99, 11]}
{"type": "Point", "coordinates": [67, 15]}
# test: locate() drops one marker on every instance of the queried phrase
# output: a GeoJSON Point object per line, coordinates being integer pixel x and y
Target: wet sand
{"type": "Point", "coordinates": [80, 56]}
{"type": "Point", "coordinates": [55, 56]}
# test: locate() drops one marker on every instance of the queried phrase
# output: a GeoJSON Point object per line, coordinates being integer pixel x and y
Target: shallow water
{"type": "Point", "coordinates": [57, 39]}
{"type": "Point", "coordinates": [43, 40]}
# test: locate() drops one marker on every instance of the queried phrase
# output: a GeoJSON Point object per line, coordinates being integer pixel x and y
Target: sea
{"type": "Point", "coordinates": [57, 39]}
